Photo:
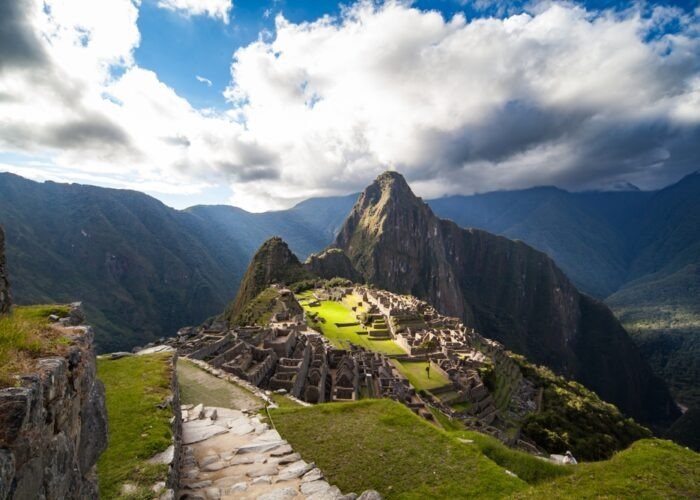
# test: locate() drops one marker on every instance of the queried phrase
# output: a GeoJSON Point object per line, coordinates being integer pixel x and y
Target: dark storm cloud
{"type": "Point", "coordinates": [179, 140]}
{"type": "Point", "coordinates": [246, 173]}
{"type": "Point", "coordinates": [89, 131]}
{"type": "Point", "coordinates": [19, 46]}
{"type": "Point", "coordinates": [508, 131]}
{"type": "Point", "coordinates": [253, 163]}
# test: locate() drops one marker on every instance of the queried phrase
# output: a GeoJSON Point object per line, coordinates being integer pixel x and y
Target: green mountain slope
{"type": "Point", "coordinates": [418, 460]}
{"type": "Point", "coordinates": [142, 269]}
{"type": "Point", "coordinates": [640, 251]}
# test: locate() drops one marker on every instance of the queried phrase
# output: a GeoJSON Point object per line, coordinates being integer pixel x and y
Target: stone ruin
{"type": "Point", "coordinates": [288, 356]}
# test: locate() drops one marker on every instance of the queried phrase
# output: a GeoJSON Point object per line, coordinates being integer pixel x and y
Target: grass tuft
{"type": "Point", "coordinates": [26, 335]}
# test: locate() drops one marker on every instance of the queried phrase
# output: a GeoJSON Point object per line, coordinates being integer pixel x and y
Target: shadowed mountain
{"type": "Point", "coordinates": [506, 289]}
{"type": "Point", "coordinates": [332, 263]}
{"type": "Point", "coordinates": [640, 251]}
{"type": "Point", "coordinates": [583, 232]}
{"type": "Point", "coordinates": [142, 269]}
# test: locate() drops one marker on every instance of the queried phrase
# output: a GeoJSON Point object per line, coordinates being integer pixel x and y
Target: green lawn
{"type": "Point", "coordinates": [25, 335]}
{"type": "Point", "coordinates": [382, 445]}
{"type": "Point", "coordinates": [416, 374]}
{"type": "Point", "coordinates": [353, 300]}
{"type": "Point", "coordinates": [650, 468]}
{"type": "Point", "coordinates": [528, 467]}
{"type": "Point", "coordinates": [336, 312]}
{"type": "Point", "coordinates": [138, 429]}
{"type": "Point", "coordinates": [198, 386]}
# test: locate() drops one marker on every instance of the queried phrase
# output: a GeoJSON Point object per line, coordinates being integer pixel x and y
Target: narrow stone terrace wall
{"type": "Point", "coordinates": [5, 300]}
{"type": "Point", "coordinates": [53, 427]}
{"type": "Point", "coordinates": [173, 482]}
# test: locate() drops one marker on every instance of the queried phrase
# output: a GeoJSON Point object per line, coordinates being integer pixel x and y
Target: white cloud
{"type": "Point", "coordinates": [212, 8]}
{"type": "Point", "coordinates": [561, 96]}
{"type": "Point", "coordinates": [203, 80]}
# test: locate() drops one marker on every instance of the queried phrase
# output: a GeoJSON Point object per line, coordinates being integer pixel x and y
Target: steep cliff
{"type": "Point", "coordinates": [332, 263]}
{"type": "Point", "coordinates": [53, 425]}
{"type": "Point", "coordinates": [505, 289]}
{"type": "Point", "coordinates": [5, 300]}
{"type": "Point", "coordinates": [274, 262]}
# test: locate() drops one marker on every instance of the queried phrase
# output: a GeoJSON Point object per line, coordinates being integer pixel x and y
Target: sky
{"type": "Point", "coordinates": [261, 104]}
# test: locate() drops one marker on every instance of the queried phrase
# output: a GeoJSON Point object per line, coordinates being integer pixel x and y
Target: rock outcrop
{"type": "Point", "coordinates": [53, 427]}
{"type": "Point", "coordinates": [332, 263]}
{"type": "Point", "coordinates": [505, 289]}
{"type": "Point", "coordinates": [274, 262]}
{"type": "Point", "coordinates": [5, 300]}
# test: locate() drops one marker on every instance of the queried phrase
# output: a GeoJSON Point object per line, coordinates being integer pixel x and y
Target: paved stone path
{"type": "Point", "coordinates": [232, 454]}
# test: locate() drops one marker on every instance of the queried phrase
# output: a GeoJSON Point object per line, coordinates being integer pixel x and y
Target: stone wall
{"type": "Point", "coordinates": [53, 427]}
{"type": "Point", "coordinates": [5, 301]}
{"type": "Point", "coordinates": [173, 482]}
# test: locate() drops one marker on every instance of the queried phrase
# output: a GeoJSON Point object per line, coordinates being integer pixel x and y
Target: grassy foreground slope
{"type": "Point", "coordinates": [382, 445]}
{"type": "Point", "coordinates": [138, 428]}
{"type": "Point", "coordinates": [650, 468]}
{"type": "Point", "coordinates": [27, 334]}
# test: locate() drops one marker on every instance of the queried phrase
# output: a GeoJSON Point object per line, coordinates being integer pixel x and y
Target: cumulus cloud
{"type": "Point", "coordinates": [213, 8]}
{"type": "Point", "coordinates": [559, 95]}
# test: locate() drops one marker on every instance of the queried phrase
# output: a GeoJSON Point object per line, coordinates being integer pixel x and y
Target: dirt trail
{"type": "Point", "coordinates": [198, 386]}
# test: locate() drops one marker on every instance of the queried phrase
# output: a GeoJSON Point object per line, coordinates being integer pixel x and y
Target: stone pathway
{"type": "Point", "coordinates": [198, 386]}
{"type": "Point", "coordinates": [232, 454]}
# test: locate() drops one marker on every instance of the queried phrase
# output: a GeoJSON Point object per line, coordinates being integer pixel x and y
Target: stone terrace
{"type": "Point", "coordinates": [288, 357]}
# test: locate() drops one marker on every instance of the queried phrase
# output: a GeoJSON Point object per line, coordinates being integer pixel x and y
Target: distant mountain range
{"type": "Point", "coordinates": [144, 269]}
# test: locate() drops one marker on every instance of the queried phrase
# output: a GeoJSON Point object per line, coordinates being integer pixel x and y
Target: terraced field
{"type": "Point", "coordinates": [338, 323]}
{"type": "Point", "coordinates": [419, 378]}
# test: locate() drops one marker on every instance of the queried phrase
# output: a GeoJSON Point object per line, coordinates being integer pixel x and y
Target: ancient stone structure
{"type": "Point", "coordinates": [288, 356]}
{"type": "Point", "coordinates": [53, 426]}
{"type": "Point", "coordinates": [5, 300]}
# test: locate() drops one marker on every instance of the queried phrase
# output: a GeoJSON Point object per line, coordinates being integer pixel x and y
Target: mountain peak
{"type": "Point", "coordinates": [388, 193]}
{"type": "Point", "coordinates": [274, 262]}
{"type": "Point", "coordinates": [390, 176]}
{"type": "Point", "coordinates": [393, 183]}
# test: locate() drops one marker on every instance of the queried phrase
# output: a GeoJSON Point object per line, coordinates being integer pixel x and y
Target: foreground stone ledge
{"type": "Point", "coordinates": [53, 426]}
